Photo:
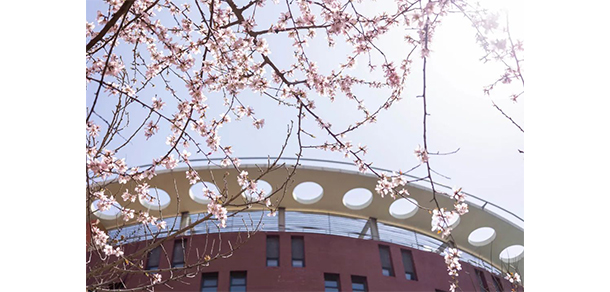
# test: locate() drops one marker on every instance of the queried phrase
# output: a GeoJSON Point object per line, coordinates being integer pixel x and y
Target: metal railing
{"type": "Point", "coordinates": [321, 223]}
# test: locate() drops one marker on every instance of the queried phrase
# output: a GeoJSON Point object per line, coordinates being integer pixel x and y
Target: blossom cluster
{"type": "Point", "coordinates": [452, 260]}
{"type": "Point", "coordinates": [459, 205]}
{"type": "Point", "coordinates": [386, 185]}
{"type": "Point", "coordinates": [513, 278]}
{"type": "Point", "coordinates": [250, 187]}
{"type": "Point", "coordinates": [440, 221]}
{"type": "Point", "coordinates": [421, 154]}
{"type": "Point", "coordinates": [100, 240]}
{"type": "Point", "coordinates": [219, 212]}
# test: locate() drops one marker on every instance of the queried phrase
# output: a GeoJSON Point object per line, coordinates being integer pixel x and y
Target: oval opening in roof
{"type": "Point", "coordinates": [197, 194]}
{"type": "Point", "coordinates": [403, 209]}
{"type": "Point", "coordinates": [261, 185]}
{"type": "Point", "coordinates": [357, 199]}
{"type": "Point", "coordinates": [482, 236]}
{"type": "Point", "coordinates": [512, 254]}
{"type": "Point", "coordinates": [110, 214]}
{"type": "Point", "coordinates": [160, 199]}
{"type": "Point", "coordinates": [308, 192]}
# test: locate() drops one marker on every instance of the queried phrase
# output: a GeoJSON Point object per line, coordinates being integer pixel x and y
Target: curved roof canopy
{"type": "Point", "coordinates": [318, 189]}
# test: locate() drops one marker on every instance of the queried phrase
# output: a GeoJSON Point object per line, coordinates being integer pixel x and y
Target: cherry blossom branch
{"type": "Point", "coordinates": [509, 118]}
{"type": "Point", "coordinates": [122, 11]}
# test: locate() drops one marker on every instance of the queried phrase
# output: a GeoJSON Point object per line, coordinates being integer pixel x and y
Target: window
{"type": "Point", "coordinates": [238, 281]}
{"type": "Point", "coordinates": [359, 283]}
{"type": "Point", "coordinates": [482, 282]}
{"type": "Point", "coordinates": [153, 259]}
{"type": "Point", "coordinates": [209, 282]}
{"type": "Point", "coordinates": [407, 262]}
{"type": "Point", "coordinates": [178, 255]}
{"type": "Point", "coordinates": [331, 283]}
{"type": "Point", "coordinates": [298, 251]}
{"type": "Point", "coordinates": [273, 250]}
{"type": "Point", "coordinates": [497, 284]}
{"type": "Point", "coordinates": [386, 261]}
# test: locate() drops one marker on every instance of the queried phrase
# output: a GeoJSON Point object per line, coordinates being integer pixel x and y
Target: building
{"type": "Point", "coordinates": [331, 233]}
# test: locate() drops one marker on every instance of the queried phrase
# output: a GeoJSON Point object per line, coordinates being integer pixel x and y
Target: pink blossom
{"type": "Point", "coordinates": [142, 190]}
{"type": "Point", "coordinates": [513, 278]}
{"type": "Point", "coordinates": [93, 129]}
{"type": "Point", "coordinates": [127, 214]}
{"type": "Point", "coordinates": [421, 154]}
{"type": "Point", "coordinates": [156, 278]}
{"type": "Point", "coordinates": [452, 260]}
{"type": "Point", "coordinates": [161, 224]}
{"type": "Point", "coordinates": [192, 176]}
{"type": "Point", "coordinates": [259, 123]}
{"type": "Point", "coordinates": [90, 27]}
{"type": "Point", "coordinates": [157, 104]}
{"type": "Point", "coordinates": [219, 212]}
{"type": "Point", "coordinates": [128, 197]}
{"type": "Point", "coordinates": [440, 221]}
{"type": "Point", "coordinates": [170, 162]}
{"type": "Point", "coordinates": [151, 129]}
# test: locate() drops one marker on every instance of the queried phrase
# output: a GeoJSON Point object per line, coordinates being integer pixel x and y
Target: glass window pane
{"type": "Point", "coordinates": [358, 283]}
{"type": "Point", "coordinates": [178, 255]}
{"type": "Point", "coordinates": [238, 288]}
{"type": "Point", "coordinates": [330, 284]}
{"type": "Point", "coordinates": [273, 250]}
{"type": "Point", "coordinates": [386, 261]}
{"type": "Point", "coordinates": [209, 282]}
{"type": "Point", "coordinates": [298, 248]}
{"type": "Point", "coordinates": [407, 261]}
{"type": "Point", "coordinates": [238, 281]}
{"type": "Point", "coordinates": [153, 258]}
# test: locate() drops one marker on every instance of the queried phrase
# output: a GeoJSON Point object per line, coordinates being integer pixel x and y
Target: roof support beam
{"type": "Point", "coordinates": [374, 229]}
{"type": "Point", "coordinates": [281, 220]}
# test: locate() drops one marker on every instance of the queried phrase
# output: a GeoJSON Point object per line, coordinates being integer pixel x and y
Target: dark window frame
{"type": "Point", "coordinates": [154, 255]}
{"type": "Point", "coordinates": [330, 278]}
{"type": "Point", "coordinates": [482, 282]}
{"type": "Point", "coordinates": [408, 264]}
{"type": "Point", "coordinates": [273, 256]}
{"type": "Point", "coordinates": [177, 261]}
{"type": "Point", "coordinates": [385, 256]}
{"type": "Point", "coordinates": [298, 252]}
{"type": "Point", "coordinates": [236, 275]}
{"type": "Point", "coordinates": [209, 276]}
{"type": "Point", "coordinates": [359, 280]}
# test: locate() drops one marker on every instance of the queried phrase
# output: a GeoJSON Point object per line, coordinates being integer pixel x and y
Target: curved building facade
{"type": "Point", "coordinates": [332, 232]}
